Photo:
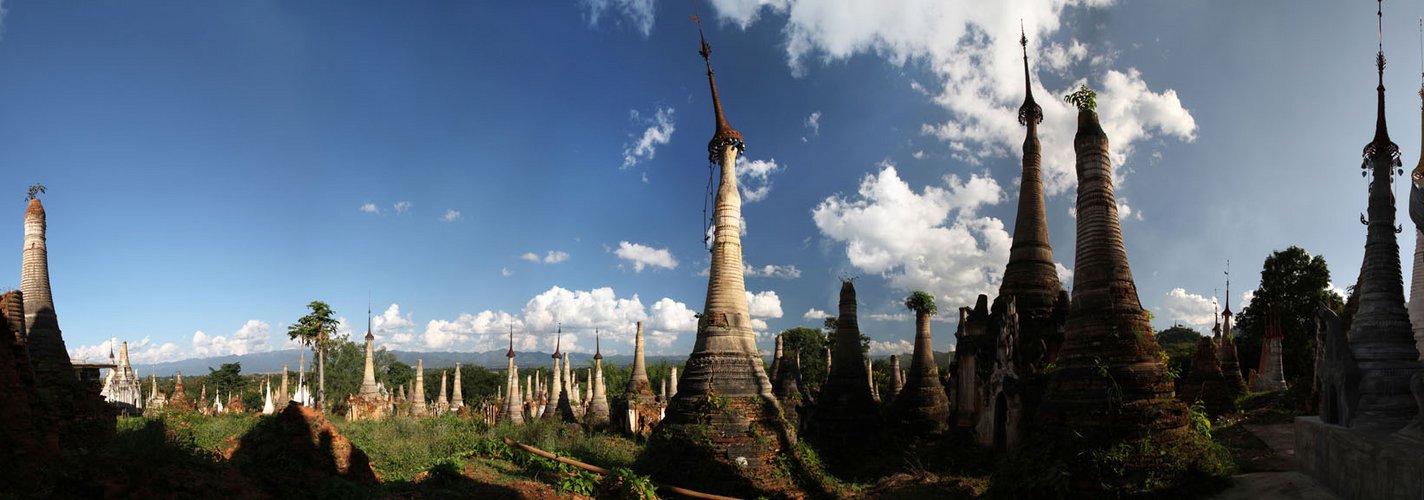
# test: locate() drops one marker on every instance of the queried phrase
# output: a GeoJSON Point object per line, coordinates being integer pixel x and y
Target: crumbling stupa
{"type": "Point", "coordinates": [845, 413]}
{"type": "Point", "coordinates": [642, 411]}
{"type": "Point", "coordinates": [368, 403]}
{"type": "Point", "coordinates": [513, 409]}
{"type": "Point", "coordinates": [597, 414]}
{"type": "Point", "coordinates": [724, 429]}
{"type": "Point", "coordinates": [922, 407]}
{"type": "Point", "coordinates": [1111, 386]}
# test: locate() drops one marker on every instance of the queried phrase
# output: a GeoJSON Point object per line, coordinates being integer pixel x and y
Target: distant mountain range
{"type": "Point", "coordinates": [271, 362]}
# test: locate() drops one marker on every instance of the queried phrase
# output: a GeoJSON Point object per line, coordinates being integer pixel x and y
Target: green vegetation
{"type": "Point", "coordinates": [316, 330]}
{"type": "Point", "coordinates": [1085, 99]}
{"type": "Point", "coordinates": [36, 189]}
{"type": "Point", "coordinates": [1293, 286]}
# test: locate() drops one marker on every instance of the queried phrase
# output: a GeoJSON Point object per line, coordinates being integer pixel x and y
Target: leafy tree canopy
{"type": "Point", "coordinates": [1293, 284]}
{"type": "Point", "coordinates": [36, 189]}
{"type": "Point", "coordinates": [921, 303]}
{"type": "Point", "coordinates": [227, 378]}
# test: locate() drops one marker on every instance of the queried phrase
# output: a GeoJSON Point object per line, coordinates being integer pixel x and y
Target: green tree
{"type": "Point", "coordinates": [1180, 344]}
{"type": "Point", "coordinates": [1293, 284]}
{"type": "Point", "coordinates": [811, 343]}
{"type": "Point", "coordinates": [36, 189]}
{"type": "Point", "coordinates": [317, 331]}
{"type": "Point", "coordinates": [397, 374]}
{"type": "Point", "coordinates": [227, 378]}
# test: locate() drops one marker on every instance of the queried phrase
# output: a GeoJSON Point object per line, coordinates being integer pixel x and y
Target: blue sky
{"type": "Point", "coordinates": [214, 166]}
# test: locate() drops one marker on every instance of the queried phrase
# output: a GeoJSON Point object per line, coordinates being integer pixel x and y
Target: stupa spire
{"type": "Point", "coordinates": [1030, 113]}
{"type": "Point", "coordinates": [724, 135]}
{"type": "Point", "coordinates": [1030, 275]}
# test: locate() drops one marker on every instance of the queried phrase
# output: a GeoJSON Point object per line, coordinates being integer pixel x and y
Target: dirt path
{"type": "Point", "coordinates": [1278, 478]}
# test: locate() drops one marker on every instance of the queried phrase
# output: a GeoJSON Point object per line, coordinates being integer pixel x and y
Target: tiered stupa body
{"type": "Point", "coordinates": [368, 403]}
{"type": "Point", "coordinates": [747, 433]}
{"type": "Point", "coordinates": [1110, 385]}
{"type": "Point", "coordinates": [922, 407]}
{"type": "Point", "coordinates": [60, 393]}
{"type": "Point", "coordinates": [597, 414]}
{"type": "Point", "coordinates": [642, 411]}
{"type": "Point", "coordinates": [418, 405]}
{"type": "Point", "coordinates": [457, 395]}
{"type": "Point", "coordinates": [1380, 334]}
{"type": "Point", "coordinates": [845, 413]}
{"type": "Point", "coordinates": [1226, 350]}
{"type": "Point", "coordinates": [1270, 370]}
{"type": "Point", "coordinates": [513, 409]}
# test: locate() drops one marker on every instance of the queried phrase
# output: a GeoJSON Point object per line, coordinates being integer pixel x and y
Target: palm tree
{"type": "Point", "coordinates": [316, 330]}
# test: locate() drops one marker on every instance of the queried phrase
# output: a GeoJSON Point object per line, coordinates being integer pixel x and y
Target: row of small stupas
{"type": "Point", "coordinates": [563, 399]}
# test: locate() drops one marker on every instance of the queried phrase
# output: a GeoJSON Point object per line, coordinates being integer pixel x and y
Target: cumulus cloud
{"type": "Point", "coordinates": [451, 215]}
{"type": "Point", "coordinates": [971, 49]}
{"type": "Point", "coordinates": [401, 207]}
{"type": "Point", "coordinates": [643, 256]}
{"type": "Point", "coordinates": [754, 178]}
{"type": "Point", "coordinates": [789, 272]}
{"type": "Point", "coordinates": [638, 14]}
{"type": "Point", "coordinates": [370, 208]}
{"type": "Point", "coordinates": [392, 330]}
{"type": "Point", "coordinates": [1246, 297]}
{"type": "Point", "coordinates": [933, 240]}
{"type": "Point", "coordinates": [579, 313]}
{"type": "Point", "coordinates": [550, 257]}
{"type": "Point", "coordinates": [658, 131]}
{"type": "Point", "coordinates": [250, 338]}
{"type": "Point", "coordinates": [815, 314]}
{"type": "Point", "coordinates": [764, 304]}
{"type": "Point", "coordinates": [901, 346]}
{"type": "Point", "coordinates": [1190, 309]}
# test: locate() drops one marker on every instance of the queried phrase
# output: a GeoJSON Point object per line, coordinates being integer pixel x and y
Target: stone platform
{"type": "Point", "coordinates": [1357, 463]}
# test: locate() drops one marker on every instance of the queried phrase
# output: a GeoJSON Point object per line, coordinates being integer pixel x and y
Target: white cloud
{"type": "Point", "coordinates": [789, 272]}
{"type": "Point", "coordinates": [669, 318]}
{"type": "Point", "coordinates": [813, 123]}
{"type": "Point", "coordinates": [815, 314]}
{"type": "Point", "coordinates": [392, 330]}
{"type": "Point", "coordinates": [504, 271]}
{"type": "Point", "coordinates": [1065, 275]}
{"type": "Point", "coordinates": [580, 313]}
{"type": "Point", "coordinates": [918, 155]}
{"type": "Point", "coordinates": [451, 215]}
{"type": "Point", "coordinates": [550, 257]}
{"type": "Point", "coordinates": [888, 316]}
{"type": "Point", "coordinates": [658, 132]}
{"type": "Point", "coordinates": [401, 207]}
{"type": "Point", "coordinates": [901, 346]}
{"type": "Point", "coordinates": [764, 304]}
{"type": "Point", "coordinates": [932, 241]}
{"type": "Point", "coordinates": [1190, 309]}
{"type": "Point", "coordinates": [970, 47]}
{"type": "Point", "coordinates": [555, 257]}
{"type": "Point", "coordinates": [143, 352]}
{"type": "Point", "coordinates": [754, 178]}
{"type": "Point", "coordinates": [370, 208]}
{"type": "Point", "coordinates": [638, 13]}
{"type": "Point", "coordinates": [252, 337]}
{"type": "Point", "coordinates": [644, 256]}
{"type": "Point", "coordinates": [1246, 297]}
